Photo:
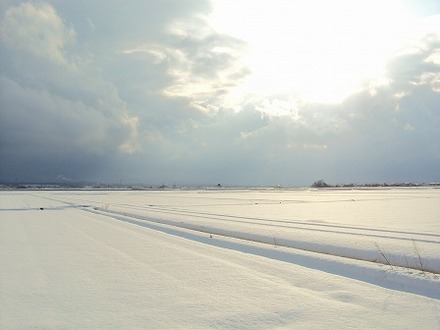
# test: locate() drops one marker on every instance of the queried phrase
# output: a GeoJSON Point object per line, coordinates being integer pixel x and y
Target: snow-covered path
{"type": "Point", "coordinates": [71, 266]}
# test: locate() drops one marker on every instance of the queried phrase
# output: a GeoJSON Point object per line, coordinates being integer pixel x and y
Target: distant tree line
{"type": "Point", "coordinates": [322, 184]}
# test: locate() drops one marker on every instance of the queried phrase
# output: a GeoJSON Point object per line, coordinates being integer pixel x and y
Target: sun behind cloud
{"type": "Point", "coordinates": [320, 51]}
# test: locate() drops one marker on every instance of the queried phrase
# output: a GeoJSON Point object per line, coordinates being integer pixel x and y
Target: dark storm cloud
{"type": "Point", "coordinates": [55, 112]}
{"type": "Point", "coordinates": [79, 81]}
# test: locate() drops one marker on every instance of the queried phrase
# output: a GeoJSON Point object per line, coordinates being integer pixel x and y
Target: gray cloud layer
{"type": "Point", "coordinates": [134, 94]}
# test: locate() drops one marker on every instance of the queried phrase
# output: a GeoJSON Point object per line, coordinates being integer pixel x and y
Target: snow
{"type": "Point", "coordinates": [220, 259]}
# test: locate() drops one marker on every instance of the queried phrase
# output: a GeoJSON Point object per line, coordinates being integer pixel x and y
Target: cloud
{"type": "Point", "coordinates": [199, 63]}
{"type": "Point", "coordinates": [72, 92]}
{"type": "Point", "coordinates": [118, 94]}
{"type": "Point", "coordinates": [37, 30]}
{"type": "Point", "coordinates": [417, 65]}
{"type": "Point", "coordinates": [55, 108]}
{"type": "Point", "coordinates": [391, 134]}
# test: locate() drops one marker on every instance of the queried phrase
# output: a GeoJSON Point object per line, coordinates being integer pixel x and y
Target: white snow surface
{"type": "Point", "coordinates": [220, 259]}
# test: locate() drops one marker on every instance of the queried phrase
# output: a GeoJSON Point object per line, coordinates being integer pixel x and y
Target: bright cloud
{"type": "Point", "coordinates": [321, 50]}
{"type": "Point", "coordinates": [200, 63]}
{"type": "Point", "coordinates": [37, 29]}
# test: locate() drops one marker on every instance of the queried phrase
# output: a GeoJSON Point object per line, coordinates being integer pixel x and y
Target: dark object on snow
{"type": "Point", "coordinates": [41, 208]}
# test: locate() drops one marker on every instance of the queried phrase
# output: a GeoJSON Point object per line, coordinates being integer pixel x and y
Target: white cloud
{"type": "Point", "coordinates": [38, 30]}
{"type": "Point", "coordinates": [201, 64]}
{"type": "Point", "coordinates": [152, 54]}
{"type": "Point", "coordinates": [131, 143]}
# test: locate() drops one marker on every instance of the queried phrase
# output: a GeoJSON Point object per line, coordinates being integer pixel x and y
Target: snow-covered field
{"type": "Point", "coordinates": [220, 259]}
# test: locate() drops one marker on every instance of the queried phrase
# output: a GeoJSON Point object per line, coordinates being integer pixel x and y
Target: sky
{"type": "Point", "coordinates": [199, 92]}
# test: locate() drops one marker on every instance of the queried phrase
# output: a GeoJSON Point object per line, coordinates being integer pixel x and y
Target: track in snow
{"type": "Point", "coordinates": [388, 246]}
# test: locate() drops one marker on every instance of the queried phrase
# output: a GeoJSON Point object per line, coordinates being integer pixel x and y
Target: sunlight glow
{"type": "Point", "coordinates": [319, 50]}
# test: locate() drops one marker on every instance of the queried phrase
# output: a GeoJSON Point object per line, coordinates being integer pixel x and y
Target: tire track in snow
{"type": "Point", "coordinates": [220, 228]}
{"type": "Point", "coordinates": [318, 227]}
{"type": "Point", "coordinates": [328, 249]}
{"type": "Point", "coordinates": [170, 209]}
{"type": "Point", "coordinates": [351, 267]}
{"type": "Point", "coordinates": [292, 224]}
